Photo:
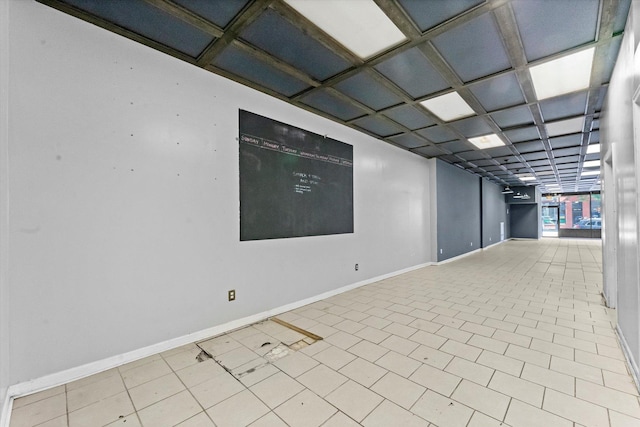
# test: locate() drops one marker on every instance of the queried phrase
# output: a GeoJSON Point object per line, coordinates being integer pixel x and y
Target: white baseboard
{"type": "Point", "coordinates": [7, 406]}
{"type": "Point", "coordinates": [455, 258]}
{"type": "Point", "coordinates": [73, 374]}
{"type": "Point", "coordinates": [635, 372]}
{"type": "Point", "coordinates": [493, 245]}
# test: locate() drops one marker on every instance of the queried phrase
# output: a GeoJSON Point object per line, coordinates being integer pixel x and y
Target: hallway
{"type": "Point", "coordinates": [513, 335]}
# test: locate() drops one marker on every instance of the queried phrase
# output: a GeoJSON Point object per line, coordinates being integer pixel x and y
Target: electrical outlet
{"type": "Point", "coordinates": [357, 267]}
{"type": "Point", "coordinates": [471, 244]}
{"type": "Point", "coordinates": [232, 295]}
{"type": "Point", "coordinates": [440, 251]}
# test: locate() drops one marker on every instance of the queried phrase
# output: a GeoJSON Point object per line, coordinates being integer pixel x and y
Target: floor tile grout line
{"type": "Point", "coordinates": [135, 411]}
{"type": "Point", "coordinates": [66, 403]}
{"type": "Point", "coordinates": [583, 400]}
{"type": "Point", "coordinates": [504, 418]}
{"type": "Point", "coordinates": [188, 389]}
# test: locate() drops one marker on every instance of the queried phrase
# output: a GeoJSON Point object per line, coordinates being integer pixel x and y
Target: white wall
{"type": "Point", "coordinates": [620, 147]}
{"type": "Point", "coordinates": [123, 200]}
{"type": "Point", "coordinates": [4, 199]}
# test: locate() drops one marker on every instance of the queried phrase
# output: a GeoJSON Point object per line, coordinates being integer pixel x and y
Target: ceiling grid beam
{"type": "Point", "coordinates": [515, 49]}
{"type": "Point", "coordinates": [187, 16]}
{"type": "Point", "coordinates": [501, 167]}
{"type": "Point", "coordinates": [117, 29]}
{"type": "Point", "coordinates": [250, 14]}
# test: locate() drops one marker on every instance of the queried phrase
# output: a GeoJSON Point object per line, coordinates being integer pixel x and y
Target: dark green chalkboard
{"type": "Point", "coordinates": [293, 182]}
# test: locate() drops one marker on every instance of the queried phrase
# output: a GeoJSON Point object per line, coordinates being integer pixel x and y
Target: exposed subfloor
{"type": "Point", "coordinates": [516, 335]}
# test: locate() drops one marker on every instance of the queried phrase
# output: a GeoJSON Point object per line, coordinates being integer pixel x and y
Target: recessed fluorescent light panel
{"type": "Point", "coordinates": [591, 164]}
{"type": "Point", "coordinates": [527, 178]}
{"type": "Point", "coordinates": [591, 173]}
{"type": "Point", "coordinates": [359, 25]}
{"type": "Point", "coordinates": [486, 141]}
{"type": "Point", "coordinates": [563, 75]}
{"type": "Point", "coordinates": [593, 148]}
{"type": "Point", "coordinates": [449, 107]}
{"type": "Point", "coordinates": [565, 127]}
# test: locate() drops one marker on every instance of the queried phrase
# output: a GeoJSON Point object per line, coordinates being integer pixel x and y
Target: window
{"type": "Point", "coordinates": [577, 211]}
{"type": "Point", "coordinates": [596, 211]}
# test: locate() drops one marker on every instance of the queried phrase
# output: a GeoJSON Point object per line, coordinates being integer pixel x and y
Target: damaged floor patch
{"type": "Point", "coordinates": [246, 351]}
{"type": "Point", "coordinates": [278, 352]}
{"type": "Point", "coordinates": [297, 329]}
{"type": "Point", "coordinates": [202, 356]}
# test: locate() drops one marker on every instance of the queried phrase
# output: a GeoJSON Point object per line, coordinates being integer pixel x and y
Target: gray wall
{"type": "Point", "coordinates": [468, 212]}
{"type": "Point", "coordinates": [620, 152]}
{"type": "Point", "coordinates": [4, 200]}
{"type": "Point", "coordinates": [458, 212]}
{"type": "Point", "coordinates": [494, 211]}
{"type": "Point", "coordinates": [524, 221]}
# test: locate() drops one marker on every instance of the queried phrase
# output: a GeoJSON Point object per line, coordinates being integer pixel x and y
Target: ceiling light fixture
{"type": "Point", "coordinates": [448, 107]}
{"type": "Point", "coordinates": [527, 178]}
{"type": "Point", "coordinates": [565, 127]}
{"type": "Point", "coordinates": [567, 74]}
{"type": "Point", "coordinates": [524, 196]}
{"type": "Point", "coordinates": [591, 164]}
{"type": "Point", "coordinates": [507, 190]}
{"type": "Point", "coordinates": [591, 173]}
{"type": "Point", "coordinates": [487, 141]}
{"type": "Point", "coordinates": [361, 26]}
{"type": "Point", "coordinates": [593, 148]}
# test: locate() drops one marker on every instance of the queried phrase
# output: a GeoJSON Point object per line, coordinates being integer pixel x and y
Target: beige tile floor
{"type": "Point", "coordinates": [516, 335]}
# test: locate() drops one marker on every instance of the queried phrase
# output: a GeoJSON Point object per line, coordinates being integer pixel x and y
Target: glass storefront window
{"type": "Point", "coordinates": [577, 211]}
{"type": "Point", "coordinates": [596, 211]}
{"type": "Point", "coordinates": [550, 215]}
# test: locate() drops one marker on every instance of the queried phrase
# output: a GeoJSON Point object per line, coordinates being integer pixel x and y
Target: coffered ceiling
{"type": "Point", "coordinates": [523, 79]}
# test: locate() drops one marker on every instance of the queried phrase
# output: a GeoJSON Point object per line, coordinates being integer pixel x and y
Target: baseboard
{"type": "Point", "coordinates": [455, 258]}
{"type": "Point", "coordinates": [73, 374]}
{"type": "Point", "coordinates": [635, 372]}
{"type": "Point", "coordinates": [7, 406]}
{"type": "Point", "coordinates": [493, 245]}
